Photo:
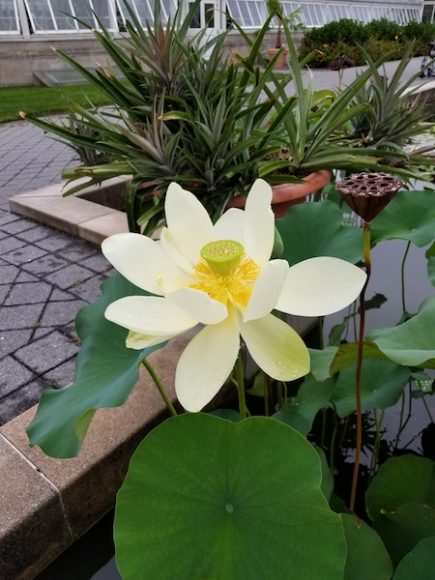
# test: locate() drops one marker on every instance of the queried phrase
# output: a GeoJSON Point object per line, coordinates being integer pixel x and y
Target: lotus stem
{"type": "Point", "coordinates": [375, 455]}
{"type": "Point", "coordinates": [423, 400]}
{"type": "Point", "coordinates": [402, 278]}
{"type": "Point", "coordinates": [160, 387]}
{"type": "Point", "coordinates": [332, 444]}
{"type": "Point", "coordinates": [240, 380]}
{"type": "Point", "coordinates": [267, 391]}
{"type": "Point", "coordinates": [358, 411]}
{"type": "Point", "coordinates": [402, 423]}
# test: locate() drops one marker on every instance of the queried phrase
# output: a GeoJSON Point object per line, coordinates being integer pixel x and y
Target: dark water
{"type": "Point", "coordinates": [386, 279]}
{"type": "Point", "coordinates": [89, 558]}
{"type": "Point", "coordinates": [108, 572]}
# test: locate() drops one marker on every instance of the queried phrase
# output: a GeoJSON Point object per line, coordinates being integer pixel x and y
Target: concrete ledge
{"type": "Point", "coordinates": [33, 525]}
{"type": "Point", "coordinates": [48, 503]}
{"type": "Point", "coordinates": [77, 215]}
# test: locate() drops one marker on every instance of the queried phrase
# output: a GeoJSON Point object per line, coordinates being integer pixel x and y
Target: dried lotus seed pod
{"type": "Point", "coordinates": [368, 193]}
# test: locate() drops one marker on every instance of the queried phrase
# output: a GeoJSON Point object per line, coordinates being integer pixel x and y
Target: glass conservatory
{"type": "Point", "coordinates": [47, 17]}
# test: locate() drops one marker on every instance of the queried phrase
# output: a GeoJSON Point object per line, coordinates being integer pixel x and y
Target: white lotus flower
{"type": "Point", "coordinates": [221, 276]}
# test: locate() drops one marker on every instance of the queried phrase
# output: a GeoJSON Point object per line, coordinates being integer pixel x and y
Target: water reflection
{"type": "Point", "coordinates": [386, 279]}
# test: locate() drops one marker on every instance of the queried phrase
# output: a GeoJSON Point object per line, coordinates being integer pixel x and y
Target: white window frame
{"type": "Point", "coordinates": [17, 21]}
{"type": "Point", "coordinates": [150, 4]}
{"type": "Point", "coordinates": [401, 12]}
{"type": "Point", "coordinates": [432, 5]}
{"type": "Point", "coordinates": [76, 29]}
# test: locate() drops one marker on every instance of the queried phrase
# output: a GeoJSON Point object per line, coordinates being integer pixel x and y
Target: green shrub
{"type": "Point", "coordinates": [327, 54]}
{"type": "Point", "coordinates": [331, 42]}
{"type": "Point", "coordinates": [423, 32]}
{"type": "Point", "coordinates": [378, 48]}
{"type": "Point", "coordinates": [344, 30]}
{"type": "Point", "coordinates": [384, 30]}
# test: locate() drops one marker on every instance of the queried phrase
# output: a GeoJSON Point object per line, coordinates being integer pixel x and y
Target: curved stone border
{"type": "Point", "coordinates": [48, 503]}
{"type": "Point", "coordinates": [75, 215]}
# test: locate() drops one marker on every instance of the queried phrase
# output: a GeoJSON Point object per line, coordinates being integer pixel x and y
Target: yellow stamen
{"type": "Point", "coordinates": [233, 285]}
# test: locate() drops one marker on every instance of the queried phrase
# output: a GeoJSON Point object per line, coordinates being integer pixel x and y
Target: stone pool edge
{"type": "Point", "coordinates": [46, 504]}
{"type": "Point", "coordinates": [73, 214]}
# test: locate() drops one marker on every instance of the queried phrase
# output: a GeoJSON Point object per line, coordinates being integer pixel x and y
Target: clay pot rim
{"type": "Point", "coordinates": [287, 193]}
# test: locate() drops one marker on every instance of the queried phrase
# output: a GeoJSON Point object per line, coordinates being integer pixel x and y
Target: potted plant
{"type": "Point", "coordinates": [311, 132]}
{"type": "Point", "coordinates": [212, 129]}
{"type": "Point", "coordinates": [397, 113]}
{"type": "Point", "coordinates": [277, 53]}
{"type": "Point", "coordinates": [199, 130]}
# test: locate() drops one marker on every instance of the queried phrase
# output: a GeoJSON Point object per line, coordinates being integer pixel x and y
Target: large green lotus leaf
{"type": "Point", "coordinates": [209, 498]}
{"type": "Point", "coordinates": [347, 354]}
{"type": "Point", "coordinates": [411, 343]}
{"type": "Point", "coordinates": [312, 396]}
{"type": "Point", "coordinates": [402, 529]}
{"type": "Point", "coordinates": [316, 229]}
{"type": "Point", "coordinates": [401, 480]}
{"type": "Point", "coordinates": [291, 416]}
{"type": "Point", "coordinates": [367, 557]}
{"type": "Point", "coordinates": [106, 372]}
{"type": "Point", "coordinates": [419, 563]}
{"type": "Point", "coordinates": [409, 216]}
{"type": "Point", "coordinates": [327, 477]}
{"type": "Point", "coordinates": [382, 383]}
{"type": "Point", "coordinates": [321, 361]}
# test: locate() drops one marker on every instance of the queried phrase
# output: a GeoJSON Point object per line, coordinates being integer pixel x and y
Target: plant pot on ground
{"type": "Point", "coordinates": [277, 53]}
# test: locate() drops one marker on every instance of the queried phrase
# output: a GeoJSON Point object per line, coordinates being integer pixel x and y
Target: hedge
{"type": "Point", "coordinates": [336, 44]}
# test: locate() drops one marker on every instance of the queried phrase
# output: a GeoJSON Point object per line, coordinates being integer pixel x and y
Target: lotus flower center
{"type": "Point", "coordinates": [225, 273]}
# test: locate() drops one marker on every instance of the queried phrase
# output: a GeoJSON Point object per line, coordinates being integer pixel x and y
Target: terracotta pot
{"type": "Point", "coordinates": [288, 194]}
{"type": "Point", "coordinates": [281, 62]}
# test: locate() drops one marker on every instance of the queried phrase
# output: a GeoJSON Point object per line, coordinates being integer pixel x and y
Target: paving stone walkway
{"type": "Point", "coordinates": [45, 276]}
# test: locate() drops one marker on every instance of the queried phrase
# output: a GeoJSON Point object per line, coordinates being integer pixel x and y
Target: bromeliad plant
{"type": "Point", "coordinates": [397, 112]}
{"type": "Point", "coordinates": [183, 113]}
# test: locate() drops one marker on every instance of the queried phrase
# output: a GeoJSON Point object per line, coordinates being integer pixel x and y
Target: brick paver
{"type": "Point", "coordinates": [45, 276]}
{"type": "Point", "coordinates": [29, 159]}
